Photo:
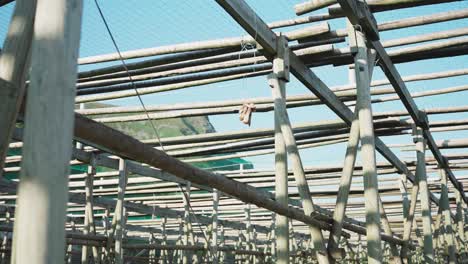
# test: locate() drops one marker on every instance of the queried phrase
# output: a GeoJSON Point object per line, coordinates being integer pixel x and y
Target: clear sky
{"type": "Point", "coordinates": [151, 23]}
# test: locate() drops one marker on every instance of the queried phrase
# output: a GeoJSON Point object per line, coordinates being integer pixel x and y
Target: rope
{"type": "Point", "coordinates": [191, 211]}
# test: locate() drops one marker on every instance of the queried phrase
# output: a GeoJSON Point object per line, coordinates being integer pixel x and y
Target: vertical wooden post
{"type": "Point", "coordinates": [48, 134]}
{"type": "Point", "coordinates": [273, 242]}
{"type": "Point", "coordinates": [408, 223]}
{"type": "Point", "coordinates": [119, 213]}
{"type": "Point", "coordinates": [86, 227]}
{"type": "Point", "coordinates": [107, 231]}
{"type": "Point", "coordinates": [404, 195]}
{"type": "Point", "coordinates": [5, 246]}
{"type": "Point", "coordinates": [366, 127]}
{"type": "Point", "coordinates": [292, 150]}
{"type": "Point", "coordinates": [461, 223]}
{"type": "Point", "coordinates": [222, 255]}
{"type": "Point", "coordinates": [179, 253]}
{"type": "Point", "coordinates": [164, 254]}
{"type": "Point", "coordinates": [465, 221]}
{"type": "Point", "coordinates": [14, 66]}
{"type": "Point", "coordinates": [437, 229]}
{"type": "Point", "coordinates": [214, 228]}
{"type": "Point", "coordinates": [428, 246]}
{"type": "Point", "coordinates": [281, 169]}
{"type": "Point", "coordinates": [89, 213]}
{"type": "Point", "coordinates": [70, 246]}
{"type": "Point", "coordinates": [186, 198]}
{"type": "Point", "coordinates": [151, 252]}
{"type": "Point", "coordinates": [293, 244]}
{"type": "Point", "coordinates": [248, 232]}
{"type": "Point", "coordinates": [444, 203]}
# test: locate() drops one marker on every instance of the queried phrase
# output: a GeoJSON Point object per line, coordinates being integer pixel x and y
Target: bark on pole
{"type": "Point", "coordinates": [48, 134]}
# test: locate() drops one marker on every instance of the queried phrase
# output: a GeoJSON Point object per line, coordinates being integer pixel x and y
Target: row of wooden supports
{"type": "Point", "coordinates": [38, 198]}
{"type": "Point", "coordinates": [362, 128]}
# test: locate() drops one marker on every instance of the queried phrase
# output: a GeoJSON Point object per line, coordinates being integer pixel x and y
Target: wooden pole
{"type": "Point", "coordinates": [120, 144]}
{"type": "Point", "coordinates": [200, 45]}
{"type": "Point", "coordinates": [465, 220]}
{"type": "Point", "coordinates": [186, 229]}
{"type": "Point", "coordinates": [214, 237]}
{"type": "Point", "coordinates": [107, 232]}
{"type": "Point", "coordinates": [248, 233]}
{"type": "Point", "coordinates": [48, 134]}
{"type": "Point", "coordinates": [89, 214]}
{"type": "Point", "coordinates": [449, 232]}
{"type": "Point", "coordinates": [394, 256]}
{"type": "Point", "coordinates": [119, 215]}
{"type": "Point", "coordinates": [5, 244]}
{"type": "Point", "coordinates": [346, 176]}
{"type": "Point", "coordinates": [293, 153]}
{"type": "Point", "coordinates": [374, 249]}
{"type": "Point", "coordinates": [425, 199]}
{"type": "Point", "coordinates": [164, 254]}
{"type": "Point", "coordinates": [408, 222]}
{"type": "Point", "coordinates": [345, 186]}
{"type": "Point", "coordinates": [461, 224]}
{"type": "Point", "coordinates": [14, 66]}
{"type": "Point", "coordinates": [312, 5]}
{"type": "Point", "coordinates": [281, 172]}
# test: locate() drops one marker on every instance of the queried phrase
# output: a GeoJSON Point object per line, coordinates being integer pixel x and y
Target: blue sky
{"type": "Point", "coordinates": [151, 23]}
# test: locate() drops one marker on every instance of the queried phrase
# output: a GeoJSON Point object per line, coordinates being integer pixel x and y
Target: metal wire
{"type": "Point", "coordinates": [191, 211]}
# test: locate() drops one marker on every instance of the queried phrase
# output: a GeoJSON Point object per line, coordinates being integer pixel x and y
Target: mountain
{"type": "Point", "coordinates": [173, 127]}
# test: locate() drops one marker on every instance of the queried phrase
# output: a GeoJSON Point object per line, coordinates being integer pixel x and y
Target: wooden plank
{"type": "Point", "coordinates": [48, 134]}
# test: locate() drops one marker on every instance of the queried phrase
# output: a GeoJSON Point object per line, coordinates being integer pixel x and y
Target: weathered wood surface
{"type": "Point", "coordinates": [210, 44]}
{"type": "Point", "coordinates": [281, 162]}
{"type": "Point", "coordinates": [312, 5]}
{"type": "Point", "coordinates": [47, 149]}
{"type": "Point", "coordinates": [14, 65]}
